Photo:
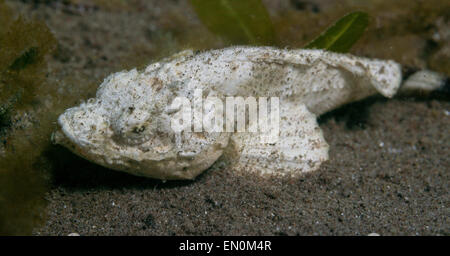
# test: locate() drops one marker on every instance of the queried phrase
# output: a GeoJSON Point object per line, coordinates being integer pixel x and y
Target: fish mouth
{"type": "Point", "coordinates": [64, 136]}
{"type": "Point", "coordinates": [60, 137]}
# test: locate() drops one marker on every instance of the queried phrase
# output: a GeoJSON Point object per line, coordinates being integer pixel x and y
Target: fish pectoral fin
{"type": "Point", "coordinates": [299, 147]}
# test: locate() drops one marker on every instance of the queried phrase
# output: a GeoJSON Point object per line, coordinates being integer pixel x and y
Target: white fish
{"type": "Point", "coordinates": [127, 126]}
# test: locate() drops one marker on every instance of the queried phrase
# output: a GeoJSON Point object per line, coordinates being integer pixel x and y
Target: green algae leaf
{"type": "Point", "coordinates": [24, 46]}
{"type": "Point", "coordinates": [27, 58]}
{"type": "Point", "coordinates": [236, 21]}
{"type": "Point", "coordinates": [341, 36]}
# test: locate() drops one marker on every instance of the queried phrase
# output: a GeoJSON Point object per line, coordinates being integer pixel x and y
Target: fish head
{"type": "Point", "coordinates": [127, 127]}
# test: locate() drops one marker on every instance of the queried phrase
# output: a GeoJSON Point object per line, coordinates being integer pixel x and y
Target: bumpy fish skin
{"type": "Point", "coordinates": [127, 126]}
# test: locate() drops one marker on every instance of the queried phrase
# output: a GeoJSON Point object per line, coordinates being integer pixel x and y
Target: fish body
{"type": "Point", "coordinates": [127, 126]}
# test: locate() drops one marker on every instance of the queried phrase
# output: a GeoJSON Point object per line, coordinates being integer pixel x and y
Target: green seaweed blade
{"type": "Point", "coordinates": [236, 21]}
{"type": "Point", "coordinates": [27, 58]}
{"type": "Point", "coordinates": [341, 36]}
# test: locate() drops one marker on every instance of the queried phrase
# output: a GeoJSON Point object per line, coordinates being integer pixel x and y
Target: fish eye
{"type": "Point", "coordinates": [139, 129]}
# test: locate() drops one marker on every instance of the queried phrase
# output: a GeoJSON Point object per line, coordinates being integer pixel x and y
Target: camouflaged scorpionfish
{"type": "Point", "coordinates": [127, 126]}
